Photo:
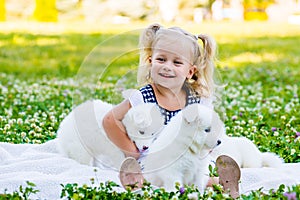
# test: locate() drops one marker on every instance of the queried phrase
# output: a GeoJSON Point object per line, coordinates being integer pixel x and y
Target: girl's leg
{"type": "Point", "coordinates": [228, 170]}
{"type": "Point", "coordinates": [131, 174]}
{"type": "Point", "coordinates": [229, 174]}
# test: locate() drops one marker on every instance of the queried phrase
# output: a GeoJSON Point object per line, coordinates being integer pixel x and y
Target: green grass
{"type": "Point", "coordinates": [44, 73]}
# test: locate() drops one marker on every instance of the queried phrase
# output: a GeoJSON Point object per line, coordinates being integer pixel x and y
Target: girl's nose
{"type": "Point", "coordinates": [167, 66]}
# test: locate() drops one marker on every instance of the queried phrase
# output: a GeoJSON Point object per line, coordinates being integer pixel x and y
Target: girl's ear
{"type": "Point", "coordinates": [192, 71]}
{"type": "Point", "coordinates": [149, 59]}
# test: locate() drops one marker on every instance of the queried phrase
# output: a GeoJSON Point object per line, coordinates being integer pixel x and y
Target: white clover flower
{"type": "Point", "coordinates": [52, 133]}
{"type": "Point", "coordinates": [36, 141]}
{"type": "Point", "coordinates": [287, 108]}
{"type": "Point", "coordinates": [276, 133]}
{"type": "Point", "coordinates": [276, 110]}
{"type": "Point", "coordinates": [259, 98]}
{"type": "Point", "coordinates": [52, 118]}
{"type": "Point", "coordinates": [271, 110]}
{"type": "Point", "coordinates": [31, 133]}
{"type": "Point", "coordinates": [12, 121]}
{"type": "Point", "coordinates": [225, 195]}
{"type": "Point", "coordinates": [251, 121]}
{"type": "Point", "coordinates": [38, 129]}
{"type": "Point", "coordinates": [19, 121]}
{"type": "Point", "coordinates": [293, 151]}
{"type": "Point", "coordinates": [193, 196]}
{"type": "Point", "coordinates": [174, 198]}
{"type": "Point", "coordinates": [63, 115]}
{"type": "Point", "coordinates": [81, 195]}
{"type": "Point", "coordinates": [23, 134]}
{"type": "Point", "coordinates": [27, 121]}
{"type": "Point", "coordinates": [292, 119]}
{"type": "Point", "coordinates": [22, 113]}
{"type": "Point", "coordinates": [283, 117]}
{"type": "Point", "coordinates": [6, 127]}
{"type": "Point", "coordinates": [209, 189]}
{"type": "Point", "coordinates": [44, 114]}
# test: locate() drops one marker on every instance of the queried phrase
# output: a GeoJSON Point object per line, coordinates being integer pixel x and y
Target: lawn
{"type": "Point", "coordinates": [44, 73]}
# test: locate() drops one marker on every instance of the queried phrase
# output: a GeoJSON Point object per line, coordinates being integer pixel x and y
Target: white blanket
{"type": "Point", "coordinates": [44, 166]}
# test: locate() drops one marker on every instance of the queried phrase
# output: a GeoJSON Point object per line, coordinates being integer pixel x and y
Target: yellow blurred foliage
{"type": "Point", "coordinates": [45, 11]}
{"type": "Point", "coordinates": [2, 10]}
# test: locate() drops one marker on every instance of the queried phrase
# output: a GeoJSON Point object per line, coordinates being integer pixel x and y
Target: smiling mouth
{"type": "Point", "coordinates": [166, 75]}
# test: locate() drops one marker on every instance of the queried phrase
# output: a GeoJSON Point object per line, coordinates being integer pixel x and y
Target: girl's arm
{"type": "Point", "coordinates": [115, 130]}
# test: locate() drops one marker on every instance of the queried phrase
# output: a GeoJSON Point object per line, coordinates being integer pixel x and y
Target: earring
{"type": "Point", "coordinates": [148, 77]}
{"type": "Point", "coordinates": [190, 80]}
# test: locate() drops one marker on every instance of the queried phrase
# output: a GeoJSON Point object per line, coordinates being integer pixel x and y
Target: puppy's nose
{"type": "Point", "coordinates": [218, 142]}
{"type": "Point", "coordinates": [142, 132]}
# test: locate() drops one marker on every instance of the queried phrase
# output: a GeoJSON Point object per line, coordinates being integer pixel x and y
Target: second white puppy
{"type": "Point", "coordinates": [245, 153]}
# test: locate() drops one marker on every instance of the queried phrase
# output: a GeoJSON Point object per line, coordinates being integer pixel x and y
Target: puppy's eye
{"type": "Point", "coordinates": [142, 132]}
{"type": "Point", "coordinates": [207, 130]}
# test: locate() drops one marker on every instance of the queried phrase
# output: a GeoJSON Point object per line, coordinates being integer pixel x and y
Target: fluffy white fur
{"type": "Point", "coordinates": [181, 152]}
{"type": "Point", "coordinates": [82, 137]}
{"type": "Point", "coordinates": [143, 124]}
{"type": "Point", "coordinates": [245, 153]}
{"type": "Point", "coordinates": [191, 140]}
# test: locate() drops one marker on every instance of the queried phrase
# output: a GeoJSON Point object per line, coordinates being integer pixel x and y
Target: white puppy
{"type": "Point", "coordinates": [82, 137]}
{"type": "Point", "coordinates": [245, 153]}
{"type": "Point", "coordinates": [143, 124]}
{"type": "Point", "coordinates": [179, 153]}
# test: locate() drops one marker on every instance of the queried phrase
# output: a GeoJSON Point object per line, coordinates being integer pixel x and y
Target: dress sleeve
{"type": "Point", "coordinates": [135, 97]}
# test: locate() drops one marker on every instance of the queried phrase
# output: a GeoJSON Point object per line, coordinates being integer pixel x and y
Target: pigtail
{"type": "Point", "coordinates": [145, 46]}
{"type": "Point", "coordinates": [206, 65]}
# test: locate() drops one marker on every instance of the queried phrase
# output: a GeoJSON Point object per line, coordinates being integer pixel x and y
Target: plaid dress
{"type": "Point", "coordinates": [149, 97]}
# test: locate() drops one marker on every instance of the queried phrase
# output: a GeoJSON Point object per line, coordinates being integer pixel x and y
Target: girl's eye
{"type": "Point", "coordinates": [161, 59]}
{"type": "Point", "coordinates": [178, 63]}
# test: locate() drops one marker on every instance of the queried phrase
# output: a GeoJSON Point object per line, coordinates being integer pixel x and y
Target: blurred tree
{"type": "Point", "coordinates": [45, 10]}
{"type": "Point", "coordinates": [2, 10]}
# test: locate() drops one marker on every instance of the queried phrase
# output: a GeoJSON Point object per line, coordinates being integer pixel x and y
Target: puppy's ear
{"type": "Point", "coordinates": [139, 119]}
{"type": "Point", "coordinates": [156, 116]}
{"type": "Point", "coordinates": [128, 93]}
{"type": "Point", "coordinates": [190, 113]}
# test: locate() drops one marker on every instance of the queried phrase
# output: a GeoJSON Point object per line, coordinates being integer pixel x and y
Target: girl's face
{"type": "Point", "coordinates": [171, 64]}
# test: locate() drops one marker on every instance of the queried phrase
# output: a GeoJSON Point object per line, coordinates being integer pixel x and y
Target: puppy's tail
{"type": "Point", "coordinates": [271, 160]}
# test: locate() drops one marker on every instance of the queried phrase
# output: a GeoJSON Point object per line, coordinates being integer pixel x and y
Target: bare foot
{"type": "Point", "coordinates": [131, 174]}
{"type": "Point", "coordinates": [229, 175]}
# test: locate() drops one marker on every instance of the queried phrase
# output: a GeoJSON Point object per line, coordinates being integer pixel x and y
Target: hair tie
{"type": "Point", "coordinates": [155, 27]}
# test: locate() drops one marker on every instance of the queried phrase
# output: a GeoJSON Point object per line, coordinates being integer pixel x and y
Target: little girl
{"type": "Point", "coordinates": [175, 71]}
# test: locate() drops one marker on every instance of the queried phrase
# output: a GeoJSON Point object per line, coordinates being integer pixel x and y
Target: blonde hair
{"type": "Point", "coordinates": [203, 58]}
